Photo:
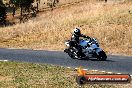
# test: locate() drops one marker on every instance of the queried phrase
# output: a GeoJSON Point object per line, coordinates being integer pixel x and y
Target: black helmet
{"type": "Point", "coordinates": [77, 31]}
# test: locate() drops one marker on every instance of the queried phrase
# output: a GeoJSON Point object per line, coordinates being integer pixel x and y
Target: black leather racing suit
{"type": "Point", "coordinates": [76, 38]}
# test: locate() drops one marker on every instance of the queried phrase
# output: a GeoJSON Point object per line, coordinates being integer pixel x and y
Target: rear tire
{"type": "Point", "coordinates": [102, 56]}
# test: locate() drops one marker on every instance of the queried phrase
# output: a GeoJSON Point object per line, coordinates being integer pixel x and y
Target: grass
{"type": "Point", "coordinates": [29, 75]}
{"type": "Point", "coordinates": [110, 23]}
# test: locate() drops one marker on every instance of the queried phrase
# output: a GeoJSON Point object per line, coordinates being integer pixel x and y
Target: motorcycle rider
{"type": "Point", "coordinates": [75, 37]}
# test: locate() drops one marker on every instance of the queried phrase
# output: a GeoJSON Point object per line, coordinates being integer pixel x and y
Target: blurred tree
{"type": "Point", "coordinates": [22, 4]}
{"type": "Point", "coordinates": [2, 13]}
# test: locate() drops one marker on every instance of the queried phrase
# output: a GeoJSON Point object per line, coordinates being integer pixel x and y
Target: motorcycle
{"type": "Point", "coordinates": [90, 48]}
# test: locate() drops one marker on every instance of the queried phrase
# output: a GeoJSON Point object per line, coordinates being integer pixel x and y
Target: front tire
{"type": "Point", "coordinates": [102, 56]}
{"type": "Point", "coordinates": [72, 53]}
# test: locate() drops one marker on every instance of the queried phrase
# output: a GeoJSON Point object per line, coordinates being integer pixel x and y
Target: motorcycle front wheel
{"type": "Point", "coordinates": [73, 54]}
{"type": "Point", "coordinates": [102, 56]}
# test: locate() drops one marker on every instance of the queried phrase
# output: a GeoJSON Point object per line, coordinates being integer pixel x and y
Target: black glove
{"type": "Point", "coordinates": [88, 37]}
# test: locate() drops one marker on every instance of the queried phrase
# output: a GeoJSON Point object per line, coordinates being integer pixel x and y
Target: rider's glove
{"type": "Point", "coordinates": [88, 37]}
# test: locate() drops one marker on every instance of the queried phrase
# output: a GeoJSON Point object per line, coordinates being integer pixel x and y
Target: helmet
{"type": "Point", "coordinates": [77, 31]}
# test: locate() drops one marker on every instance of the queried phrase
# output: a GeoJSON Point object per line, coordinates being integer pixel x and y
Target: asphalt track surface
{"type": "Point", "coordinates": [114, 63]}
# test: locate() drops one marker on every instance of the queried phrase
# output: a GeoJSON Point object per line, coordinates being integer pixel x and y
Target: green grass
{"type": "Point", "coordinates": [29, 75]}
